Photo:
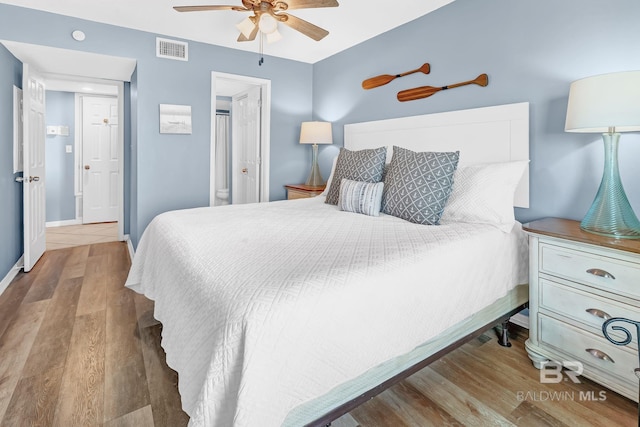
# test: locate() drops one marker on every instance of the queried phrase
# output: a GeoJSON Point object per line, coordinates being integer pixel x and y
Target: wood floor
{"type": "Point", "coordinates": [79, 349]}
{"type": "Point", "coordinates": [81, 234]}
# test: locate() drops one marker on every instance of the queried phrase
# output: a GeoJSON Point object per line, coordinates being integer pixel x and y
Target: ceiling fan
{"type": "Point", "coordinates": [267, 14]}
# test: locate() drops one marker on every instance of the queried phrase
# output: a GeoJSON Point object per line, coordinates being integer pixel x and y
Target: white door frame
{"type": "Point", "coordinates": [265, 155]}
{"type": "Point", "coordinates": [78, 139]}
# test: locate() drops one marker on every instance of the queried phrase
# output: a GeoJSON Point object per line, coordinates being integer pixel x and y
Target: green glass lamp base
{"type": "Point", "coordinates": [611, 214]}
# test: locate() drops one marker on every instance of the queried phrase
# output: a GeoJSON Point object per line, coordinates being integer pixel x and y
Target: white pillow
{"type": "Point", "coordinates": [484, 193]}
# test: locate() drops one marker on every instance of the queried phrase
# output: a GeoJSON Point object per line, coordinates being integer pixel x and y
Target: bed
{"type": "Point", "coordinates": [292, 312]}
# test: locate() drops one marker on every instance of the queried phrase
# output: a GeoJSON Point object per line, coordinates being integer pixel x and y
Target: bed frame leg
{"type": "Point", "coordinates": [504, 336]}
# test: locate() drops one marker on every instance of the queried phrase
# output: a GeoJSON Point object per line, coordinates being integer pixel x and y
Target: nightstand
{"type": "Point", "coordinates": [577, 280]}
{"type": "Point", "coordinates": [303, 191]}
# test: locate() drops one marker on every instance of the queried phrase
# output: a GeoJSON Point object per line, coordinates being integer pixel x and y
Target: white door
{"type": "Point", "coordinates": [99, 159]}
{"type": "Point", "coordinates": [33, 167]}
{"type": "Point", "coordinates": [245, 139]}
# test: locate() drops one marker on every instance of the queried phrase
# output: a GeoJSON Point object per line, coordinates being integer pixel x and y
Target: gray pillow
{"type": "Point", "coordinates": [361, 197]}
{"type": "Point", "coordinates": [363, 165]}
{"type": "Point", "coordinates": [417, 185]}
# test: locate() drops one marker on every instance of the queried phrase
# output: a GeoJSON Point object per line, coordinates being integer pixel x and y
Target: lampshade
{"type": "Point", "coordinates": [246, 26]}
{"type": "Point", "coordinates": [600, 102]}
{"type": "Point", "coordinates": [268, 23]}
{"type": "Point", "coordinates": [316, 133]}
{"type": "Point", "coordinates": [274, 36]}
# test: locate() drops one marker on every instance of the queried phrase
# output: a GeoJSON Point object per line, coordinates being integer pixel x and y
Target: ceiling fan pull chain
{"type": "Point", "coordinates": [261, 61]}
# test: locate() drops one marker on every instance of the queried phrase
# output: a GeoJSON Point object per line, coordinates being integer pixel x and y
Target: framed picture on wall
{"type": "Point", "coordinates": [175, 119]}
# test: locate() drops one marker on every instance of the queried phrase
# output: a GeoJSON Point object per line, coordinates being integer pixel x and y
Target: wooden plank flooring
{"type": "Point", "coordinates": [79, 349]}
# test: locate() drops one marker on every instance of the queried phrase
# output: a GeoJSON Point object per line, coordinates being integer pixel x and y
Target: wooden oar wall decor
{"type": "Point", "coordinates": [425, 91]}
{"type": "Point", "coordinates": [387, 78]}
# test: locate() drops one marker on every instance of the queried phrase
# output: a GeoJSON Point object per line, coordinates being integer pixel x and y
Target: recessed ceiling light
{"type": "Point", "coordinates": [78, 35]}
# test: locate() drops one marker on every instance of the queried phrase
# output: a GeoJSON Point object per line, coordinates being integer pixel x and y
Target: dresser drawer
{"type": "Point", "coordinates": [605, 273]}
{"type": "Point", "coordinates": [575, 342]}
{"type": "Point", "coordinates": [592, 310]}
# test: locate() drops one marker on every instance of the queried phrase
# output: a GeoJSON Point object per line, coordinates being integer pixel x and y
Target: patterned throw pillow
{"type": "Point", "coordinates": [363, 165]}
{"type": "Point", "coordinates": [361, 197]}
{"type": "Point", "coordinates": [417, 185]}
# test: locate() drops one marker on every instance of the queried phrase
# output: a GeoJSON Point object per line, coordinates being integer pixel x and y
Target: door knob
{"type": "Point", "coordinates": [245, 170]}
{"type": "Point", "coordinates": [34, 178]}
{"type": "Point", "coordinates": [87, 167]}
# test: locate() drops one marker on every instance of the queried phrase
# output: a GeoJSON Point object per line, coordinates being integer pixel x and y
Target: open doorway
{"type": "Point", "coordinates": [240, 139]}
{"type": "Point", "coordinates": [64, 64]}
{"type": "Point", "coordinates": [82, 162]}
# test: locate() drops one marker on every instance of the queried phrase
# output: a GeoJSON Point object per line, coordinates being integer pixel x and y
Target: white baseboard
{"type": "Point", "coordinates": [64, 223]}
{"type": "Point", "coordinates": [520, 320]}
{"type": "Point", "coordinates": [4, 284]}
{"type": "Point", "coordinates": [129, 246]}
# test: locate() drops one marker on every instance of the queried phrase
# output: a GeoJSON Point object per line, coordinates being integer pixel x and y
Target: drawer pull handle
{"type": "Point", "coordinates": [601, 273]}
{"type": "Point", "coordinates": [598, 313]}
{"type": "Point", "coordinates": [599, 354]}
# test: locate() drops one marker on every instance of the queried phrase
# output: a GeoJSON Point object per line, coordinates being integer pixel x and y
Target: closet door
{"type": "Point", "coordinates": [245, 140]}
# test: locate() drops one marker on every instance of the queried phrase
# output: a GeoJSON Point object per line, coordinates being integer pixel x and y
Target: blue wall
{"type": "Point", "coordinates": [172, 171]}
{"type": "Point", "coordinates": [10, 190]}
{"type": "Point", "coordinates": [532, 51]}
{"type": "Point", "coordinates": [61, 200]}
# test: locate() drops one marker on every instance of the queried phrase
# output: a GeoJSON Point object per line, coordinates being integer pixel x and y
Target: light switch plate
{"type": "Point", "coordinates": [68, 148]}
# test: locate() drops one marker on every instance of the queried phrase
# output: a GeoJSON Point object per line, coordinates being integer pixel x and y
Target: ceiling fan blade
{"type": "Point", "coordinates": [203, 8]}
{"type": "Point", "coordinates": [305, 4]}
{"type": "Point", "coordinates": [252, 36]}
{"type": "Point", "coordinates": [306, 28]}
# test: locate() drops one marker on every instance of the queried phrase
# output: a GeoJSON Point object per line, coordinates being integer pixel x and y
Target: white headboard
{"type": "Point", "coordinates": [482, 135]}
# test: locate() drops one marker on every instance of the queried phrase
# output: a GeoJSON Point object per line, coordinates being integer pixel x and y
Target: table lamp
{"type": "Point", "coordinates": [607, 104]}
{"type": "Point", "coordinates": [315, 133]}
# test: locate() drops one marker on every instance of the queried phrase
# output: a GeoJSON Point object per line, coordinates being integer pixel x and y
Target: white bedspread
{"type": "Point", "coordinates": [267, 306]}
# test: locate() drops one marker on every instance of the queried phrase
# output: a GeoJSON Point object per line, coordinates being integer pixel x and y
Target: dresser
{"type": "Point", "coordinates": [577, 280]}
{"type": "Point", "coordinates": [301, 191]}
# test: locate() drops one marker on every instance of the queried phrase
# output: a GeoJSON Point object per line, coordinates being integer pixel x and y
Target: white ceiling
{"type": "Point", "coordinates": [54, 60]}
{"type": "Point", "coordinates": [353, 22]}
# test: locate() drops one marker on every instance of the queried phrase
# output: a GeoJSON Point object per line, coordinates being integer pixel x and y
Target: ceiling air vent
{"type": "Point", "coordinates": [172, 49]}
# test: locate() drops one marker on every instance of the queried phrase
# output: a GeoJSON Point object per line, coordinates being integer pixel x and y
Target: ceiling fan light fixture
{"type": "Point", "coordinates": [268, 24]}
{"type": "Point", "coordinates": [246, 27]}
{"type": "Point", "coordinates": [274, 36]}
{"type": "Point", "coordinates": [267, 14]}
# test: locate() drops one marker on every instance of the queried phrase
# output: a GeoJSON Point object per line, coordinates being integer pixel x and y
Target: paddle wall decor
{"type": "Point", "coordinates": [422, 91]}
{"type": "Point", "coordinates": [387, 78]}
{"type": "Point", "coordinates": [425, 91]}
